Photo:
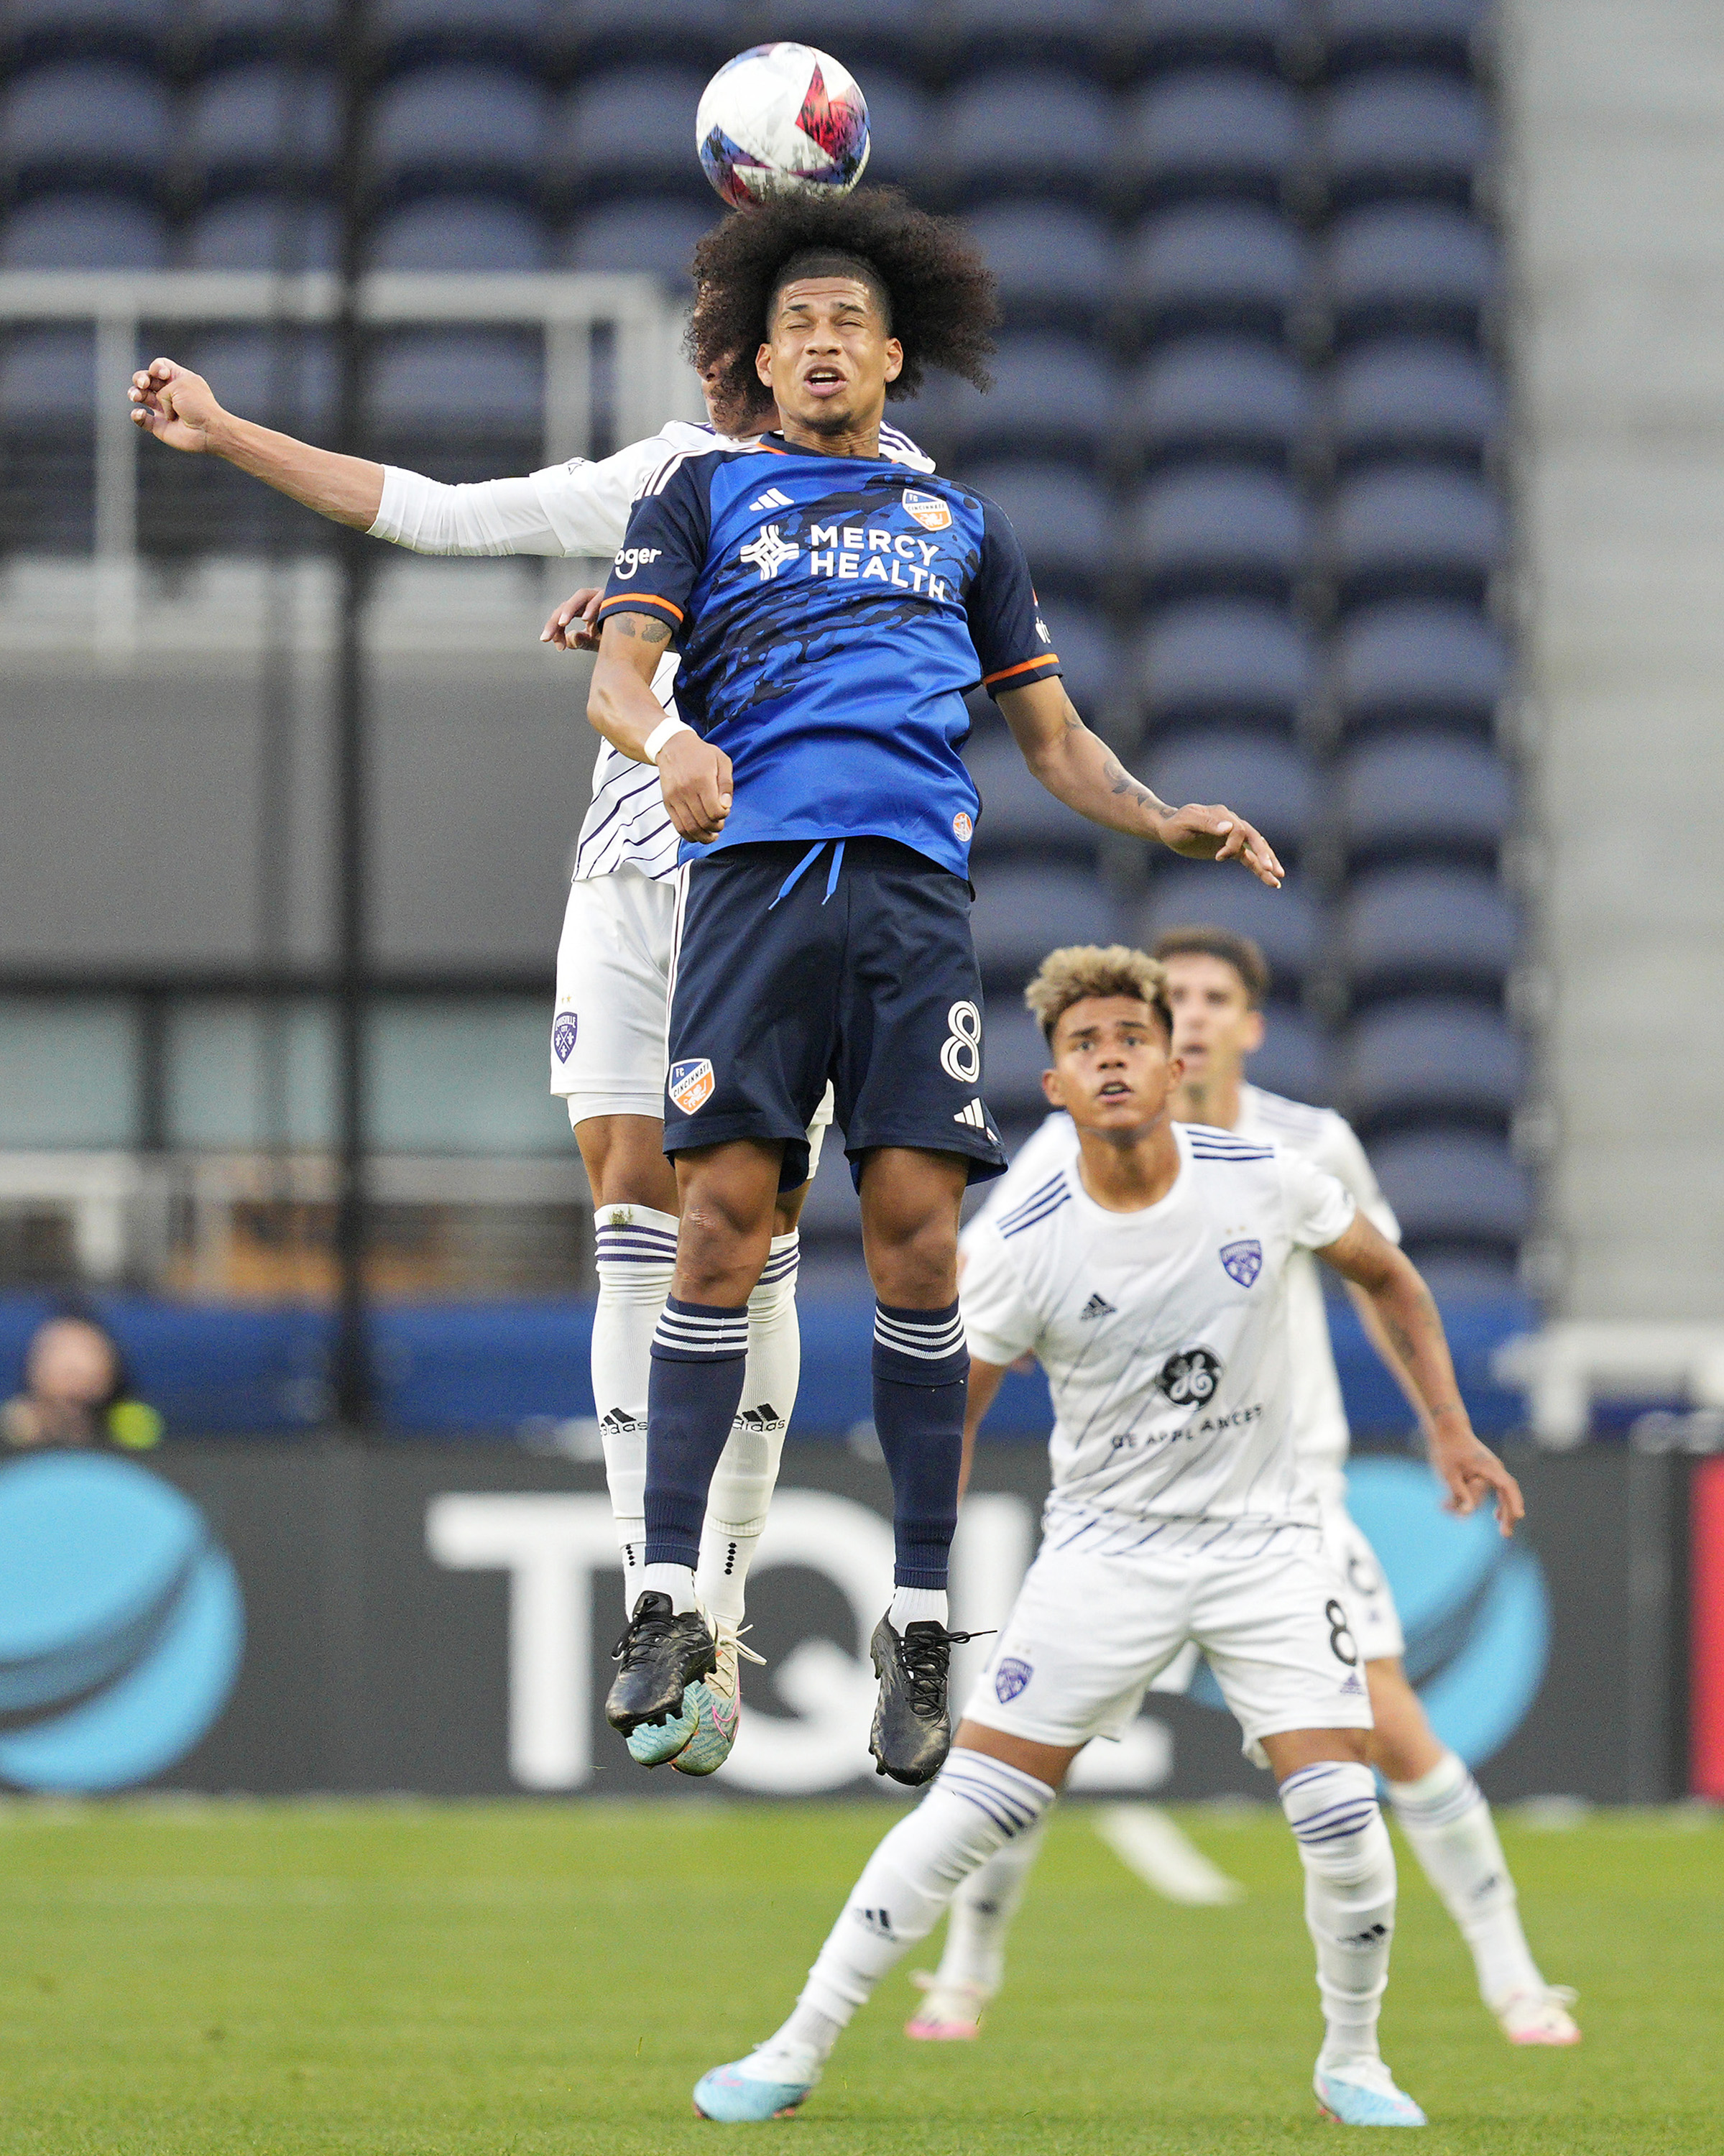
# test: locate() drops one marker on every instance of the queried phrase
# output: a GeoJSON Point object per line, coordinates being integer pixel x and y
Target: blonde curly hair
{"type": "Point", "coordinates": [1081, 970]}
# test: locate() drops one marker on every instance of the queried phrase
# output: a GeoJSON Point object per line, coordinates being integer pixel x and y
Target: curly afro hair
{"type": "Point", "coordinates": [939, 293]}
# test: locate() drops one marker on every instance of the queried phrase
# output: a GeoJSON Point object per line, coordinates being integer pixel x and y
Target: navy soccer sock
{"type": "Point", "coordinates": [699, 1353]}
{"type": "Point", "coordinates": [921, 1371]}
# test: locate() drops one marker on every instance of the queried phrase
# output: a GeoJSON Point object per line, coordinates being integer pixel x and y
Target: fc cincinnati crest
{"type": "Point", "coordinates": [1243, 1262]}
{"type": "Point", "coordinates": [563, 1035]}
{"type": "Point", "coordinates": [928, 511]}
{"type": "Point", "coordinates": [691, 1085]}
{"type": "Point", "coordinates": [1010, 1678]}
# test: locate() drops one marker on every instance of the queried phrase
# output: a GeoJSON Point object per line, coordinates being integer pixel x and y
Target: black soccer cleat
{"type": "Point", "coordinates": [661, 1655]}
{"type": "Point", "coordinates": [912, 1730]}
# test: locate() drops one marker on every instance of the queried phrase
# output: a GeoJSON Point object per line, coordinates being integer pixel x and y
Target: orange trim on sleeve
{"type": "Point", "coordinates": [1024, 666]}
{"type": "Point", "coordinates": [632, 599]}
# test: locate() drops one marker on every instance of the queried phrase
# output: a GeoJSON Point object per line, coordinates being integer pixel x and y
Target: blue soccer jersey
{"type": "Point", "coordinates": [832, 614]}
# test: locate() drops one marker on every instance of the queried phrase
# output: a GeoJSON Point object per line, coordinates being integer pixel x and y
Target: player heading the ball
{"type": "Point", "coordinates": [832, 611]}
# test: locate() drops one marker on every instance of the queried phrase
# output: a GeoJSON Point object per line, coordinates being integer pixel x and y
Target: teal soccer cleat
{"type": "Point", "coordinates": [651, 1743]}
{"type": "Point", "coordinates": [749, 2091]}
{"type": "Point", "coordinates": [1364, 2095]}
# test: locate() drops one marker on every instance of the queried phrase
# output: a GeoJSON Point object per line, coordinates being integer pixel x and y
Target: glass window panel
{"type": "Point", "coordinates": [69, 1072]}
{"type": "Point", "coordinates": [251, 1074]}
{"type": "Point", "coordinates": [468, 1076]}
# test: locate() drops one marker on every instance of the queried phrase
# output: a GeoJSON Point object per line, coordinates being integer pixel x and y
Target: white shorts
{"type": "Point", "coordinates": [608, 1029]}
{"type": "Point", "coordinates": [1370, 1606]}
{"type": "Point", "coordinates": [1089, 1632]}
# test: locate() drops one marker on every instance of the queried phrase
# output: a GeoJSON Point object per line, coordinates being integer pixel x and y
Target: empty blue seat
{"type": "Point", "coordinates": [47, 376]}
{"type": "Point", "coordinates": [901, 33]}
{"type": "Point", "coordinates": [1014, 1057]}
{"type": "Point", "coordinates": [1219, 662]}
{"type": "Point", "coordinates": [1055, 265]}
{"type": "Point", "coordinates": [1403, 397]}
{"type": "Point", "coordinates": [1426, 793]}
{"type": "Point", "coordinates": [1269, 782]}
{"type": "Point", "coordinates": [455, 129]}
{"type": "Point", "coordinates": [1283, 923]}
{"type": "Point", "coordinates": [460, 231]}
{"type": "Point", "coordinates": [1092, 665]}
{"type": "Point", "coordinates": [1417, 268]}
{"type": "Point", "coordinates": [1420, 663]}
{"type": "Point", "coordinates": [1454, 1188]}
{"type": "Point", "coordinates": [1216, 131]}
{"type": "Point", "coordinates": [706, 33]}
{"type": "Point", "coordinates": [1233, 397]}
{"type": "Point", "coordinates": [1415, 530]}
{"type": "Point", "coordinates": [1398, 132]}
{"type": "Point", "coordinates": [1053, 395]}
{"type": "Point", "coordinates": [1062, 517]}
{"type": "Point", "coordinates": [1406, 929]}
{"type": "Point", "coordinates": [642, 234]}
{"type": "Point", "coordinates": [1260, 33]}
{"type": "Point", "coordinates": [86, 123]}
{"type": "Point", "coordinates": [1218, 266]}
{"type": "Point", "coordinates": [1429, 1056]}
{"type": "Point", "coordinates": [1362, 33]}
{"type": "Point", "coordinates": [262, 124]}
{"type": "Point", "coordinates": [1018, 814]}
{"type": "Point", "coordinates": [457, 381]}
{"type": "Point", "coordinates": [1221, 528]}
{"type": "Point", "coordinates": [80, 231]}
{"type": "Point", "coordinates": [1028, 132]}
{"type": "Point", "coordinates": [1081, 33]}
{"type": "Point", "coordinates": [1295, 1058]}
{"type": "Point", "coordinates": [904, 130]}
{"type": "Point", "coordinates": [631, 132]}
{"type": "Point", "coordinates": [285, 378]}
{"type": "Point", "coordinates": [260, 30]}
{"type": "Point", "coordinates": [1021, 914]}
{"type": "Point", "coordinates": [406, 32]}
{"type": "Point", "coordinates": [33, 30]}
{"type": "Point", "coordinates": [285, 233]}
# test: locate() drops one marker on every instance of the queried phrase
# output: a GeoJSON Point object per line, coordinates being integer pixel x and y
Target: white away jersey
{"type": "Point", "coordinates": [1164, 1334]}
{"type": "Point", "coordinates": [1317, 1134]}
{"type": "Point", "coordinates": [580, 509]}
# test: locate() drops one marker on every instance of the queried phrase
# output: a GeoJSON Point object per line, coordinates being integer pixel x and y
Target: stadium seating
{"type": "Point", "coordinates": [1030, 131]}
{"type": "Point", "coordinates": [1216, 266]}
{"type": "Point", "coordinates": [1417, 268]}
{"type": "Point", "coordinates": [629, 132]}
{"type": "Point", "coordinates": [1287, 923]}
{"type": "Point", "coordinates": [85, 123]}
{"type": "Point", "coordinates": [1400, 397]}
{"type": "Point", "coordinates": [1415, 530]}
{"type": "Point", "coordinates": [1019, 818]}
{"type": "Point", "coordinates": [260, 29]}
{"type": "Point", "coordinates": [461, 233]}
{"type": "Point", "coordinates": [1216, 131]}
{"type": "Point", "coordinates": [1056, 266]}
{"type": "Point", "coordinates": [1429, 1057]}
{"type": "Point", "coordinates": [1226, 663]}
{"type": "Point", "coordinates": [1420, 930]}
{"type": "Point", "coordinates": [1053, 394]}
{"type": "Point", "coordinates": [32, 31]}
{"type": "Point", "coordinates": [1403, 133]}
{"type": "Point", "coordinates": [1442, 34]}
{"type": "Point", "coordinates": [451, 130]}
{"type": "Point", "coordinates": [1021, 912]}
{"type": "Point", "coordinates": [264, 124]}
{"type": "Point", "coordinates": [1262, 34]}
{"type": "Point", "coordinates": [84, 231]}
{"type": "Point", "coordinates": [278, 232]}
{"type": "Point", "coordinates": [1429, 795]}
{"type": "Point", "coordinates": [1220, 397]}
{"type": "Point", "coordinates": [1069, 513]}
{"type": "Point", "coordinates": [1418, 664]}
{"type": "Point", "coordinates": [407, 32]}
{"type": "Point", "coordinates": [1268, 781]}
{"type": "Point", "coordinates": [1228, 528]}
{"type": "Point", "coordinates": [642, 234]}
{"type": "Point", "coordinates": [1456, 1191]}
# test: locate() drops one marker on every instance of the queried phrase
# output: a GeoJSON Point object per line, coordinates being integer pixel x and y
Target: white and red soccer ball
{"type": "Point", "coordinates": [782, 118]}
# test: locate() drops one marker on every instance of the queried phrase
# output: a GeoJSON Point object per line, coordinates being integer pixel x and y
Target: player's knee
{"type": "Point", "coordinates": [1332, 1807]}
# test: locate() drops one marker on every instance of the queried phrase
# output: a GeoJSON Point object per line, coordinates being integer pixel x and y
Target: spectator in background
{"type": "Point", "coordinates": [76, 1391]}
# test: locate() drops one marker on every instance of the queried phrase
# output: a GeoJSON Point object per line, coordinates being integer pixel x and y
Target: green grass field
{"type": "Point", "coordinates": [505, 1978]}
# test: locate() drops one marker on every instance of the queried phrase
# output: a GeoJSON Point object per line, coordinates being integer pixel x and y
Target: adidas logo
{"type": "Point", "coordinates": [761, 1420]}
{"type": "Point", "coordinates": [973, 1116]}
{"type": "Point", "coordinates": [774, 499]}
{"type": "Point", "coordinates": [1098, 1305]}
{"type": "Point", "coordinates": [1367, 1938]}
{"type": "Point", "coordinates": [876, 1920]}
{"type": "Point", "coordinates": [620, 1424]}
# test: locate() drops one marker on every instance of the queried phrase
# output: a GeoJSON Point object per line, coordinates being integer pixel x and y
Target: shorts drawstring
{"type": "Point", "coordinates": [807, 862]}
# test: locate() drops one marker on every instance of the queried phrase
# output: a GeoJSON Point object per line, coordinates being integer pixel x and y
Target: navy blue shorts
{"type": "Point", "coordinates": [866, 976]}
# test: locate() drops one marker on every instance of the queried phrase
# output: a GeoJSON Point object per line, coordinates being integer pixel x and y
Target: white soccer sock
{"type": "Point", "coordinates": [741, 1489]}
{"type": "Point", "coordinates": [917, 1605]}
{"type": "Point", "coordinates": [1445, 1818]}
{"type": "Point", "coordinates": [675, 1580]}
{"type": "Point", "coordinates": [637, 1256]}
{"type": "Point", "coordinates": [981, 1912]}
{"type": "Point", "coordinates": [974, 1805]}
{"type": "Point", "coordinates": [1349, 1899]}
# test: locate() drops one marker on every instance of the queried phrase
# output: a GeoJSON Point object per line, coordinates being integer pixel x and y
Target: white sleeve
{"type": "Point", "coordinates": [1319, 1208]}
{"type": "Point", "coordinates": [578, 508]}
{"type": "Point", "coordinates": [1042, 1154]}
{"type": "Point", "coordinates": [1345, 1159]}
{"type": "Point", "coordinates": [999, 1322]}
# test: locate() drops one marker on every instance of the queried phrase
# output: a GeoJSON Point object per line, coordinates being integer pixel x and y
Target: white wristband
{"type": "Point", "coordinates": [666, 730]}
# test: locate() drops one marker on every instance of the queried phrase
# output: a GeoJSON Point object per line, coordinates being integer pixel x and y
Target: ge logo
{"type": "Point", "coordinates": [961, 1058]}
{"type": "Point", "coordinates": [1190, 1377]}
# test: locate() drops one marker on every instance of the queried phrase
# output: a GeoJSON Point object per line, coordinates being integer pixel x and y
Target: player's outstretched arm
{"type": "Point", "coordinates": [984, 1383]}
{"type": "Point", "coordinates": [1365, 1256]}
{"type": "Point", "coordinates": [181, 409]}
{"type": "Point", "coordinates": [695, 776]}
{"type": "Point", "coordinates": [1079, 768]}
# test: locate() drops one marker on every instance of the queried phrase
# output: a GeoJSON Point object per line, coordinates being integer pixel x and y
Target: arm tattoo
{"type": "Point", "coordinates": [1121, 781]}
{"type": "Point", "coordinates": [647, 628]}
{"type": "Point", "coordinates": [1400, 1338]}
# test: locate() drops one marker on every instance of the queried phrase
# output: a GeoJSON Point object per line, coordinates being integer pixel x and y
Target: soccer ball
{"type": "Point", "coordinates": [781, 117]}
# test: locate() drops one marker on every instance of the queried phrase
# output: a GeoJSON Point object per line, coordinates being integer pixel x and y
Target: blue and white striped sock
{"type": "Point", "coordinates": [1449, 1825]}
{"type": "Point", "coordinates": [1349, 1897]}
{"type": "Point", "coordinates": [921, 1369]}
{"type": "Point", "coordinates": [699, 1353]}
